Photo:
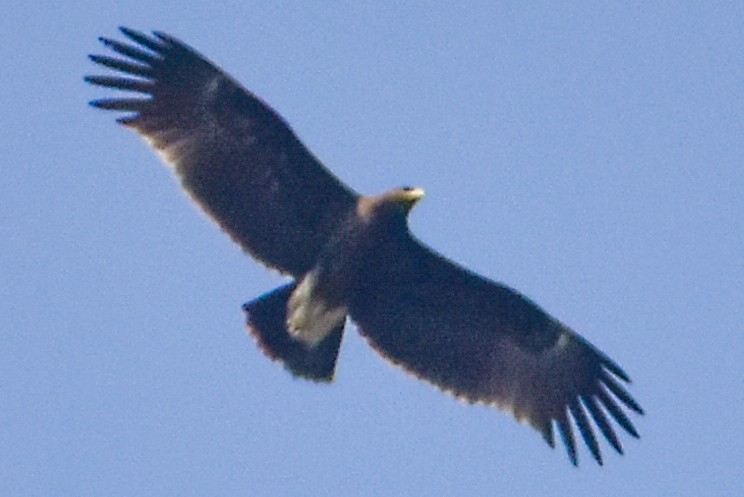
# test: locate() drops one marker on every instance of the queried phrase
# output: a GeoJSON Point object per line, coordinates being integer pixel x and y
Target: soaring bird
{"type": "Point", "coordinates": [353, 256]}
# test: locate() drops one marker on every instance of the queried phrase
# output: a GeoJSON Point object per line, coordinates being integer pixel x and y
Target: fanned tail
{"type": "Point", "coordinates": [267, 322]}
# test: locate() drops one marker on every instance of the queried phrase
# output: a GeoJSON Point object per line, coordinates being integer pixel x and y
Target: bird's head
{"type": "Point", "coordinates": [396, 203]}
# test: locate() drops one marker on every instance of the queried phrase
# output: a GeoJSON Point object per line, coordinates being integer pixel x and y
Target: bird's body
{"type": "Point", "coordinates": [353, 256]}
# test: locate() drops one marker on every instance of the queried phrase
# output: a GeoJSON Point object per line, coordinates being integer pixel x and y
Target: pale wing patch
{"type": "Point", "coordinates": [171, 150]}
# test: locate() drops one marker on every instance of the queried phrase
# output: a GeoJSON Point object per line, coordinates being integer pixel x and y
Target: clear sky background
{"type": "Point", "coordinates": [589, 155]}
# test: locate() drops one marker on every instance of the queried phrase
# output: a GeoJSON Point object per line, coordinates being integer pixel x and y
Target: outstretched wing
{"type": "Point", "coordinates": [486, 343]}
{"type": "Point", "coordinates": [234, 155]}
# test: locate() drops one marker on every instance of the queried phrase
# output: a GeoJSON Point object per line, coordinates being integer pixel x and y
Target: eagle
{"type": "Point", "coordinates": [353, 257]}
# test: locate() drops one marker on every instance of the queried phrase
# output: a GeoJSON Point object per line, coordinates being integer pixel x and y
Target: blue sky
{"type": "Point", "coordinates": [590, 156]}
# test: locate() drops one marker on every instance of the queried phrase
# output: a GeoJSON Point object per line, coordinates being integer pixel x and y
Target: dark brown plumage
{"type": "Point", "coordinates": [351, 255]}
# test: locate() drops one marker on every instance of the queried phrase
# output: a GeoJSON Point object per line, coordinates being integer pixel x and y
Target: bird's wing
{"type": "Point", "coordinates": [486, 343]}
{"type": "Point", "coordinates": [234, 154]}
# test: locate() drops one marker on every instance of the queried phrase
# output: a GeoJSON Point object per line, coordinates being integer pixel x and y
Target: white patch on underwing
{"type": "Point", "coordinates": [212, 86]}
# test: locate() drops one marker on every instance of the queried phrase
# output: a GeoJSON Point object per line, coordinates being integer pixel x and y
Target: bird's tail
{"type": "Point", "coordinates": [267, 322]}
